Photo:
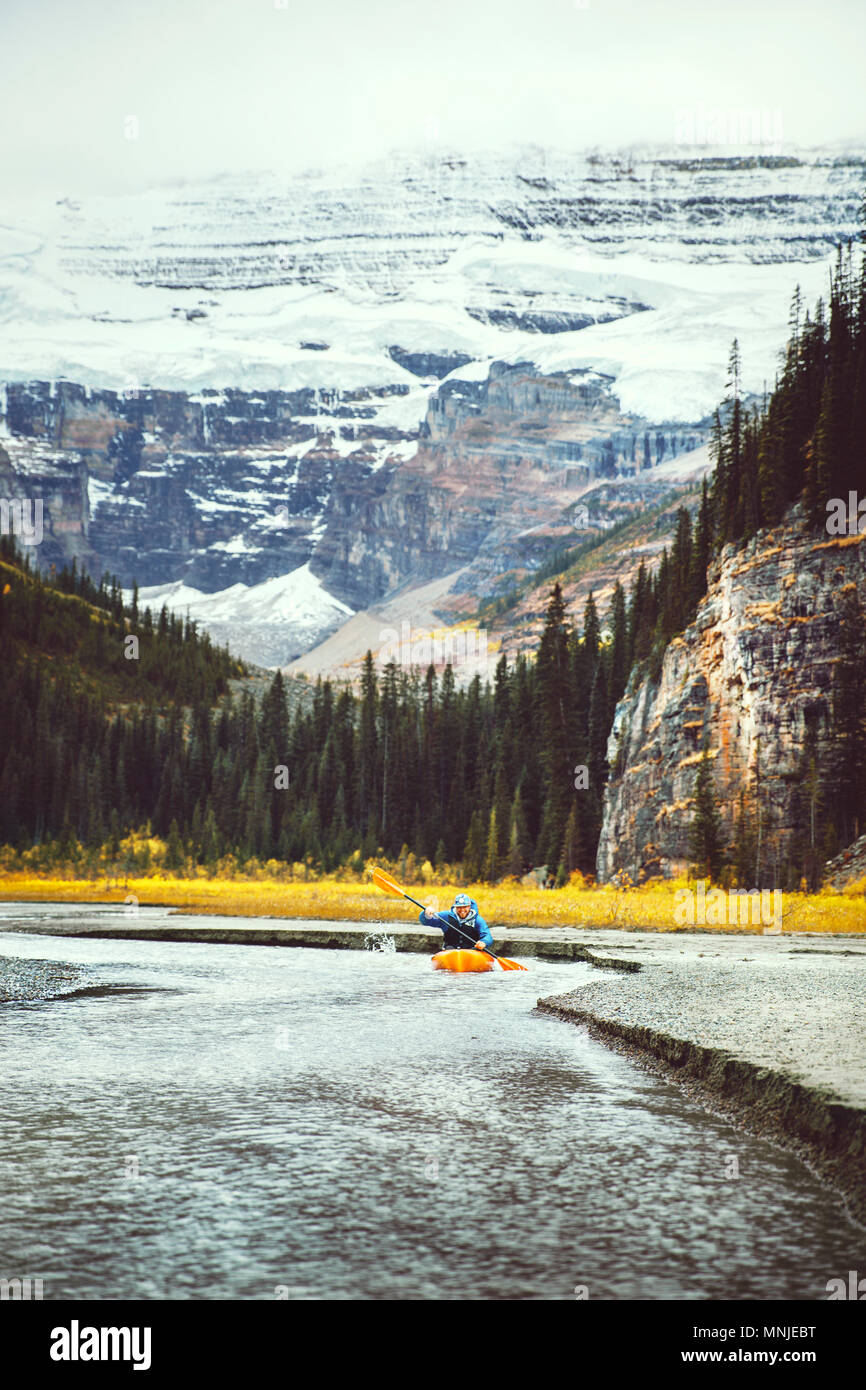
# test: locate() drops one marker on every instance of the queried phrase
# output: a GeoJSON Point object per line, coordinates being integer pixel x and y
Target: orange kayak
{"type": "Point", "coordinates": [463, 960]}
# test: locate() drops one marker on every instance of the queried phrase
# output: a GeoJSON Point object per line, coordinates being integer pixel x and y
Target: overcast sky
{"type": "Point", "coordinates": [208, 86]}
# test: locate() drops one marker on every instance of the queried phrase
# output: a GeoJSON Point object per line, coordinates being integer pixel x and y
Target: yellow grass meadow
{"type": "Point", "coordinates": [649, 907]}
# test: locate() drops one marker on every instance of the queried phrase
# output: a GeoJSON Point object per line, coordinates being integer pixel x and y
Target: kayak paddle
{"type": "Point", "coordinates": [388, 885]}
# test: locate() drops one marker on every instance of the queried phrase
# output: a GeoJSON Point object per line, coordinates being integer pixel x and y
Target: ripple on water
{"type": "Point", "coordinates": [215, 1122]}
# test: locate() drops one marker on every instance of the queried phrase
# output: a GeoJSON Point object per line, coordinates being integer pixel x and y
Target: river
{"type": "Point", "coordinates": [194, 1121]}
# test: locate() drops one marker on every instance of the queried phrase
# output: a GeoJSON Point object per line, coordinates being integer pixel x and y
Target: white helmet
{"type": "Point", "coordinates": [463, 900]}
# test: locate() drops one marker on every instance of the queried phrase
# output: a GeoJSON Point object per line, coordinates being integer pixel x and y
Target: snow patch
{"type": "Point", "coordinates": [98, 491]}
{"type": "Point", "coordinates": [291, 599]}
{"type": "Point", "coordinates": [337, 258]}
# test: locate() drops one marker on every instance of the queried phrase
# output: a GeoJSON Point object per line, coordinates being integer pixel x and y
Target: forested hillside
{"type": "Point", "coordinates": [85, 685]}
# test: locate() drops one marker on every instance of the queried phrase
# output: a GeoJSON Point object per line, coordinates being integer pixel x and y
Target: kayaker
{"type": "Point", "coordinates": [462, 920]}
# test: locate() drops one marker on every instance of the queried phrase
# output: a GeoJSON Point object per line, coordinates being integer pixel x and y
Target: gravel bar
{"type": "Point", "coordinates": [769, 1030]}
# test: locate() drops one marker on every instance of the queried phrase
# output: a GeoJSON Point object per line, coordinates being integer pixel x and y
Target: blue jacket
{"type": "Point", "coordinates": [448, 923]}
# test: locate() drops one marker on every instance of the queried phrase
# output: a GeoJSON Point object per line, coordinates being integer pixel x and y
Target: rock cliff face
{"type": "Point", "coordinates": [217, 488]}
{"type": "Point", "coordinates": [756, 664]}
{"type": "Point", "coordinates": [58, 479]}
{"type": "Point", "coordinates": [232, 486]}
{"type": "Point", "coordinates": [499, 462]}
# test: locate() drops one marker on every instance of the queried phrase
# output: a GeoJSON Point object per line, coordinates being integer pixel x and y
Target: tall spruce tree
{"type": "Point", "coordinates": [553, 672]}
{"type": "Point", "coordinates": [705, 833]}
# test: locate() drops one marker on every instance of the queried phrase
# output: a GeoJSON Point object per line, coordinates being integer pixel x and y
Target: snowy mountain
{"type": "Point", "coordinates": [337, 281]}
{"type": "Point", "coordinates": [293, 602]}
{"type": "Point", "coordinates": [257, 380]}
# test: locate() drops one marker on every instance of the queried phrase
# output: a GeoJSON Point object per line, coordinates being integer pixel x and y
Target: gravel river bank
{"type": "Point", "coordinates": [769, 1030]}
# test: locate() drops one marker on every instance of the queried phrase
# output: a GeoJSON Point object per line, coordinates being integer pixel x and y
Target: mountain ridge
{"type": "Point", "coordinates": [375, 344]}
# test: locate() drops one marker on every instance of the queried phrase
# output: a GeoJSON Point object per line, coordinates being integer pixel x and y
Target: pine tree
{"type": "Point", "coordinates": [174, 854]}
{"type": "Point", "coordinates": [731, 519]}
{"type": "Point", "coordinates": [553, 674]}
{"type": "Point", "coordinates": [744, 843]}
{"type": "Point", "coordinates": [701, 552]}
{"type": "Point", "coordinates": [274, 717]}
{"type": "Point", "coordinates": [849, 718]}
{"type": "Point", "coordinates": [518, 836]}
{"type": "Point", "coordinates": [573, 848]}
{"type": "Point", "coordinates": [591, 628]}
{"type": "Point", "coordinates": [474, 849]}
{"type": "Point", "coordinates": [599, 727]}
{"type": "Point", "coordinates": [809, 811]}
{"type": "Point", "coordinates": [210, 839]}
{"type": "Point", "coordinates": [618, 667]}
{"type": "Point", "coordinates": [491, 856]}
{"type": "Point", "coordinates": [367, 755]}
{"type": "Point", "coordinates": [639, 625]}
{"type": "Point", "coordinates": [705, 834]}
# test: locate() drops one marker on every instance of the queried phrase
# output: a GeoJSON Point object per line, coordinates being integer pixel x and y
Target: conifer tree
{"type": "Point", "coordinates": [553, 672]}
{"type": "Point", "coordinates": [518, 838]}
{"type": "Point", "coordinates": [174, 853]}
{"type": "Point", "coordinates": [573, 848]}
{"type": "Point", "coordinates": [744, 843]}
{"type": "Point", "coordinates": [210, 839]}
{"type": "Point", "coordinates": [809, 811]}
{"type": "Point", "coordinates": [849, 718]}
{"type": "Point", "coordinates": [618, 665]}
{"type": "Point", "coordinates": [491, 856]}
{"type": "Point", "coordinates": [701, 552]}
{"type": "Point", "coordinates": [705, 834]}
{"type": "Point", "coordinates": [474, 849]}
{"type": "Point", "coordinates": [367, 756]}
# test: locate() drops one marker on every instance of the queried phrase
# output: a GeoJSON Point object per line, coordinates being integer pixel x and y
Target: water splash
{"type": "Point", "coordinates": [379, 941]}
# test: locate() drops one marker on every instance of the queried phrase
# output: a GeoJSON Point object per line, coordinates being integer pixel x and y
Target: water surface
{"type": "Point", "coordinates": [209, 1121]}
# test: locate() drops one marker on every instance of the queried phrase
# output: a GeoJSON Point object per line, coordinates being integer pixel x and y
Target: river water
{"type": "Point", "coordinates": [211, 1121]}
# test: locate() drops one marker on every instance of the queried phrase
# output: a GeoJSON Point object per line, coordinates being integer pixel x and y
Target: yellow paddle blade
{"type": "Point", "coordinates": [510, 964]}
{"type": "Point", "coordinates": [382, 880]}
